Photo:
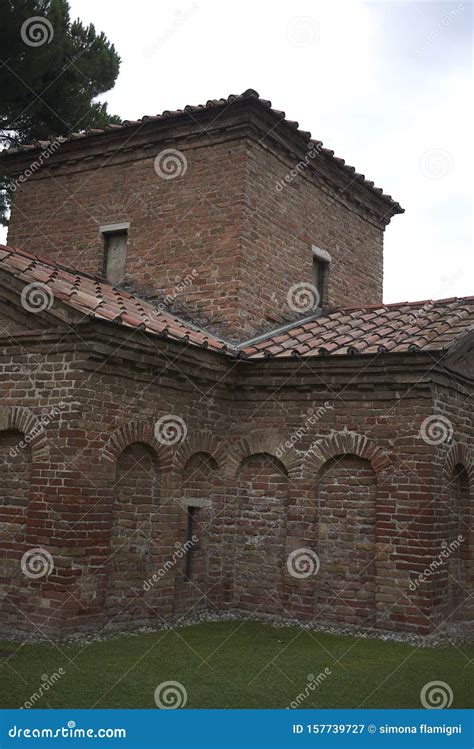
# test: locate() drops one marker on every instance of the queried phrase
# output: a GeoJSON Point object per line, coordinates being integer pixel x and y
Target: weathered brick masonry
{"type": "Point", "coordinates": [153, 466]}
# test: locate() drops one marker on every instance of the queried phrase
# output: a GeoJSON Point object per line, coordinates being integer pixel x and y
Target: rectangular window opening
{"type": "Point", "coordinates": [319, 278]}
{"type": "Point", "coordinates": [115, 255]}
{"type": "Point", "coordinates": [188, 563]}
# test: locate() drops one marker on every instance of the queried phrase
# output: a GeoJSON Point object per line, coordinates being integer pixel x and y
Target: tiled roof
{"type": "Point", "coordinates": [407, 326]}
{"type": "Point", "coordinates": [402, 327]}
{"type": "Point", "coordinates": [98, 299]}
{"type": "Point", "coordinates": [222, 104]}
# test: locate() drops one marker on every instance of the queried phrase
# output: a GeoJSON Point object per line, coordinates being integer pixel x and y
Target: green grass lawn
{"type": "Point", "coordinates": [233, 665]}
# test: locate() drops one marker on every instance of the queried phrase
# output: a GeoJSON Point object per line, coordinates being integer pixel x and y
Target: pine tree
{"type": "Point", "coordinates": [51, 71]}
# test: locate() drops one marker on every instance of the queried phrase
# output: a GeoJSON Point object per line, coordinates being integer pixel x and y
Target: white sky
{"type": "Point", "coordinates": [387, 85]}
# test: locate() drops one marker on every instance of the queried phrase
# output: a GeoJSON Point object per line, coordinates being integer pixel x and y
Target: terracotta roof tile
{"type": "Point", "coordinates": [99, 300]}
{"type": "Point", "coordinates": [395, 328]}
{"type": "Point", "coordinates": [403, 327]}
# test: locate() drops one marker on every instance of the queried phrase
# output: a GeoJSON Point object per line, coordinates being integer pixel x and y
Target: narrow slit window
{"type": "Point", "coordinates": [115, 255]}
{"type": "Point", "coordinates": [319, 272]}
{"type": "Point", "coordinates": [321, 263]}
{"type": "Point", "coordinates": [188, 563]}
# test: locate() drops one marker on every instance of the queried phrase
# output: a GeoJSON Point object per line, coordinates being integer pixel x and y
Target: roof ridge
{"type": "Point", "coordinates": [190, 109]}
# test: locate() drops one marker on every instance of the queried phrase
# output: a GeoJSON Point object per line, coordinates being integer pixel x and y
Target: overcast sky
{"type": "Point", "coordinates": [386, 85]}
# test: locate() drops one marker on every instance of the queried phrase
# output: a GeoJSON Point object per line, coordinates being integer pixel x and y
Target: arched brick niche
{"type": "Point", "coordinates": [31, 428]}
{"type": "Point", "coordinates": [15, 479]}
{"type": "Point", "coordinates": [256, 443]}
{"type": "Point", "coordinates": [136, 498]}
{"type": "Point", "coordinates": [340, 443]}
{"type": "Point", "coordinates": [261, 508]}
{"type": "Point", "coordinates": [345, 493]}
{"type": "Point", "coordinates": [459, 455]}
{"type": "Point", "coordinates": [133, 432]}
{"type": "Point", "coordinates": [337, 486]}
{"type": "Point", "coordinates": [203, 443]}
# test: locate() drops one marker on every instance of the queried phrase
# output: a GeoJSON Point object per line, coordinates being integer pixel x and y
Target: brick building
{"type": "Point", "coordinates": [206, 404]}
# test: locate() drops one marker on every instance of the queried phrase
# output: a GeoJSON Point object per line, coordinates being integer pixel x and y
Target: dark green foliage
{"type": "Point", "coordinates": [50, 73]}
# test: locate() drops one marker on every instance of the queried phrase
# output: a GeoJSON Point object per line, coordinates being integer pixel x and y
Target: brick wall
{"type": "Point", "coordinates": [223, 243]}
{"type": "Point", "coordinates": [108, 500]}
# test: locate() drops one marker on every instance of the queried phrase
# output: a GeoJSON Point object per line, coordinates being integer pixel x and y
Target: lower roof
{"type": "Point", "coordinates": [369, 329]}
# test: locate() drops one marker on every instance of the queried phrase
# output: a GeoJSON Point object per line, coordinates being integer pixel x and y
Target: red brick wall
{"type": "Point", "coordinates": [91, 484]}
{"type": "Point", "coordinates": [281, 225]}
{"type": "Point", "coordinates": [136, 494]}
{"type": "Point", "coordinates": [222, 244]}
{"type": "Point", "coordinates": [15, 478]}
{"type": "Point", "coordinates": [346, 495]}
{"type": "Point", "coordinates": [260, 529]}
